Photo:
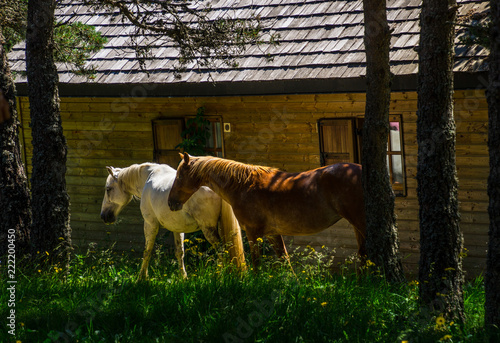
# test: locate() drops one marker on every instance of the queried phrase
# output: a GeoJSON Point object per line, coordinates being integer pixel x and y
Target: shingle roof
{"type": "Point", "coordinates": [318, 40]}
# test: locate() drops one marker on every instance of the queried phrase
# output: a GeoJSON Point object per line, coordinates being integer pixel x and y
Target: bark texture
{"type": "Point", "coordinates": [441, 242]}
{"type": "Point", "coordinates": [382, 236]}
{"type": "Point", "coordinates": [492, 277]}
{"type": "Point", "coordinates": [50, 201]}
{"type": "Point", "coordinates": [15, 208]}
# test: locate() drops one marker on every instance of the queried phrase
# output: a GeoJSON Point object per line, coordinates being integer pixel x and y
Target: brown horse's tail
{"type": "Point", "coordinates": [232, 236]}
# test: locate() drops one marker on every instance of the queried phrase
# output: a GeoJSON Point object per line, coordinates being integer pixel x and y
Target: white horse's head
{"type": "Point", "coordinates": [115, 198]}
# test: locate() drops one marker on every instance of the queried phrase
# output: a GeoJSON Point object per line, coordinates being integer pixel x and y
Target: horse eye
{"type": "Point", "coordinates": [108, 189]}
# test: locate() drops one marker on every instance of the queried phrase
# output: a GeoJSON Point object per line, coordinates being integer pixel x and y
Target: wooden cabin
{"type": "Point", "coordinates": [300, 109]}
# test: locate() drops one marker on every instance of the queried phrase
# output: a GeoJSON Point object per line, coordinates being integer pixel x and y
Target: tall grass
{"type": "Point", "coordinates": [98, 300]}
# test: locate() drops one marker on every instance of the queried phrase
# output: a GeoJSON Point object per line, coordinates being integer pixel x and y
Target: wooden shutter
{"type": "Point", "coordinates": [337, 141]}
{"type": "Point", "coordinates": [167, 134]}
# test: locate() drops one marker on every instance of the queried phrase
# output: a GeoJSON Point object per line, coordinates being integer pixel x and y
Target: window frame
{"type": "Point", "coordinates": [400, 189]}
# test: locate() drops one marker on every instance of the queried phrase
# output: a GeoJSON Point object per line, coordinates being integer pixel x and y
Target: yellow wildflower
{"type": "Point", "coordinates": [369, 263]}
{"type": "Point", "coordinates": [440, 320]}
{"type": "Point", "coordinates": [445, 338]}
{"type": "Point", "coordinates": [259, 240]}
{"type": "Point", "coordinates": [324, 303]}
{"type": "Point", "coordinates": [47, 253]}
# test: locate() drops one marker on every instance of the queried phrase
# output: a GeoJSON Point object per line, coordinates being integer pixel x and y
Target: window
{"type": "Point", "coordinates": [395, 160]}
{"type": "Point", "coordinates": [341, 141]}
{"type": "Point", "coordinates": [214, 144]}
{"type": "Point", "coordinates": [167, 135]}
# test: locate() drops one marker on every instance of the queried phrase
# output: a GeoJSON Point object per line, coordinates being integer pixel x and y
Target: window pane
{"type": "Point", "coordinates": [395, 136]}
{"type": "Point", "coordinates": [210, 139]}
{"type": "Point", "coordinates": [397, 169]}
{"type": "Point", "coordinates": [218, 135]}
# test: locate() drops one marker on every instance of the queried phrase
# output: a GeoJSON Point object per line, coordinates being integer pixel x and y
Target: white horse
{"type": "Point", "coordinates": [152, 183]}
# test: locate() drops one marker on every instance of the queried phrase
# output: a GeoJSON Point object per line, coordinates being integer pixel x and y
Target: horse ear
{"type": "Point", "coordinates": [186, 158]}
{"type": "Point", "coordinates": [112, 172]}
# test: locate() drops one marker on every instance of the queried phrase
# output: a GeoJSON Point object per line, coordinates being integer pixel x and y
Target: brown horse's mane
{"type": "Point", "coordinates": [226, 169]}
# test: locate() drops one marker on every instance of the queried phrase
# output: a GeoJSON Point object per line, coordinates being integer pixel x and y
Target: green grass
{"type": "Point", "coordinates": [99, 301]}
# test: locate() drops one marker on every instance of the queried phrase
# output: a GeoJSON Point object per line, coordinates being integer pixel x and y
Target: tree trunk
{"type": "Point", "coordinates": [50, 200]}
{"type": "Point", "coordinates": [440, 266]}
{"type": "Point", "coordinates": [492, 277]}
{"type": "Point", "coordinates": [382, 240]}
{"type": "Point", "coordinates": [15, 208]}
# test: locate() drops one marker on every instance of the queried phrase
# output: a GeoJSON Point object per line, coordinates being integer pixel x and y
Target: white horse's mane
{"type": "Point", "coordinates": [132, 178]}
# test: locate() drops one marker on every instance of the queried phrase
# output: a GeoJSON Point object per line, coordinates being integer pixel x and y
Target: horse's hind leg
{"type": "Point", "coordinates": [179, 252]}
{"type": "Point", "coordinates": [361, 239]}
{"type": "Point", "coordinates": [150, 232]}
{"type": "Point", "coordinates": [360, 232]}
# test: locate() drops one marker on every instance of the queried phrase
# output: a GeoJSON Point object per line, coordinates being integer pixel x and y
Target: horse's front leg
{"type": "Point", "coordinates": [278, 245]}
{"type": "Point", "coordinates": [179, 252]}
{"type": "Point", "coordinates": [150, 232]}
{"type": "Point", "coordinates": [212, 235]}
{"type": "Point", "coordinates": [279, 248]}
{"type": "Point", "coordinates": [255, 246]}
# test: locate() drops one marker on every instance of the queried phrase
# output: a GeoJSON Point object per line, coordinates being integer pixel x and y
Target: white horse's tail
{"type": "Point", "coordinates": [232, 236]}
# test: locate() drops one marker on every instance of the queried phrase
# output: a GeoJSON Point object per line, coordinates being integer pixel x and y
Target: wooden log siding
{"type": "Point", "coordinates": [278, 130]}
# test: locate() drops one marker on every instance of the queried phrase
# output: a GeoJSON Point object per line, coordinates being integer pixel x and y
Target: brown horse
{"type": "Point", "coordinates": [269, 202]}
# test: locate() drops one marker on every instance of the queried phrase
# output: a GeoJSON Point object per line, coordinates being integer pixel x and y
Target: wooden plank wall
{"type": "Point", "coordinates": [279, 131]}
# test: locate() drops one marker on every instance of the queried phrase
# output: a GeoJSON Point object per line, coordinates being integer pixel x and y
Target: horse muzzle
{"type": "Point", "coordinates": [108, 217]}
{"type": "Point", "coordinates": [174, 205]}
